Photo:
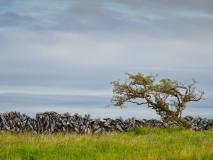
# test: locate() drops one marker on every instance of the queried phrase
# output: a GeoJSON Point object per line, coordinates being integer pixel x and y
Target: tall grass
{"type": "Point", "coordinates": [143, 143]}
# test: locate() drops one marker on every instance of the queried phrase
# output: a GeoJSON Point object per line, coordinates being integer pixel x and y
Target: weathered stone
{"type": "Point", "coordinates": [119, 128]}
{"type": "Point", "coordinates": [77, 130]}
{"type": "Point", "coordinates": [98, 131]}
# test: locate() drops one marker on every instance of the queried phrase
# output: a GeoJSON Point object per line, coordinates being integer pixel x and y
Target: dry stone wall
{"type": "Point", "coordinates": [52, 122]}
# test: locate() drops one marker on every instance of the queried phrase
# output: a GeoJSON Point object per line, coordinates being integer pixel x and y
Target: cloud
{"type": "Point", "coordinates": [79, 59]}
{"type": "Point", "coordinates": [156, 18]}
{"type": "Point", "coordinates": [11, 19]}
{"type": "Point", "coordinates": [78, 47]}
{"type": "Point", "coordinates": [53, 91]}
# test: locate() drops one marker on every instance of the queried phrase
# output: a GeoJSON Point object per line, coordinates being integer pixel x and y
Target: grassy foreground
{"type": "Point", "coordinates": [144, 143]}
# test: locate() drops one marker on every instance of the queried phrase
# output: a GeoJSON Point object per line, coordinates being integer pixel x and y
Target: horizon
{"type": "Point", "coordinates": [61, 56]}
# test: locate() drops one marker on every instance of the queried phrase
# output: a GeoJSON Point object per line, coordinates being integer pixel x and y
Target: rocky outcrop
{"type": "Point", "coordinates": [52, 122]}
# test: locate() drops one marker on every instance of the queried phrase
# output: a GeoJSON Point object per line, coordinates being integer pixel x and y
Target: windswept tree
{"type": "Point", "coordinates": [167, 97]}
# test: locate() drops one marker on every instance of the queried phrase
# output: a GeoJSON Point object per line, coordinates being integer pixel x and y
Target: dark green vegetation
{"type": "Point", "coordinates": [140, 143]}
{"type": "Point", "coordinates": [167, 97]}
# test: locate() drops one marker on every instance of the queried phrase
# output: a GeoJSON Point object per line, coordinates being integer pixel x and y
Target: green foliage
{"type": "Point", "coordinates": [167, 97]}
{"type": "Point", "coordinates": [47, 113]}
{"type": "Point", "coordinates": [140, 143]}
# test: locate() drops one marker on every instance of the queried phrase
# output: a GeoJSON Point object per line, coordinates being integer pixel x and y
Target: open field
{"type": "Point", "coordinates": [143, 143]}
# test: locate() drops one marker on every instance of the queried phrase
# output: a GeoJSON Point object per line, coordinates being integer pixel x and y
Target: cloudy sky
{"type": "Point", "coordinates": [61, 55]}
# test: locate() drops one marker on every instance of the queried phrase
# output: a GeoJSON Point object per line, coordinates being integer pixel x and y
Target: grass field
{"type": "Point", "coordinates": [144, 143]}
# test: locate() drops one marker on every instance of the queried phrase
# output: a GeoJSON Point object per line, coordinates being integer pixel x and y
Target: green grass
{"type": "Point", "coordinates": [144, 143]}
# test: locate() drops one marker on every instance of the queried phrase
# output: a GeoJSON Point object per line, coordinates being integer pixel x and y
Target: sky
{"type": "Point", "coordinates": [62, 55]}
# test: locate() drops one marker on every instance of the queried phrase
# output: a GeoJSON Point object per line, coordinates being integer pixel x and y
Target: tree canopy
{"type": "Point", "coordinates": [167, 97]}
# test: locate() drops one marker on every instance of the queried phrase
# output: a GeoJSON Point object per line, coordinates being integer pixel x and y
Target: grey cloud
{"type": "Point", "coordinates": [205, 5]}
{"type": "Point", "coordinates": [161, 17]}
{"type": "Point", "coordinates": [4, 2]}
{"type": "Point", "coordinates": [11, 19]}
